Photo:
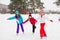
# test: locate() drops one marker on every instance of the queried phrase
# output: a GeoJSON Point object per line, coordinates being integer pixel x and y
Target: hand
{"type": "Point", "coordinates": [7, 19]}
{"type": "Point", "coordinates": [51, 20]}
{"type": "Point", "coordinates": [59, 19]}
{"type": "Point", "coordinates": [26, 21]}
{"type": "Point", "coordinates": [23, 23]}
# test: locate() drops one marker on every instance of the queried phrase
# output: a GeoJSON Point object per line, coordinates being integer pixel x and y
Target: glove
{"type": "Point", "coordinates": [51, 20]}
{"type": "Point", "coordinates": [59, 19]}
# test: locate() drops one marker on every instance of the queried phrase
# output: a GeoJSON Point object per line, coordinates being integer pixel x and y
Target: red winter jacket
{"type": "Point", "coordinates": [32, 21]}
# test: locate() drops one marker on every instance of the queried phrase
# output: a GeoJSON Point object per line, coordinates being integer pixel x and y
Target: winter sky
{"type": "Point", "coordinates": [5, 2]}
{"type": "Point", "coordinates": [48, 4]}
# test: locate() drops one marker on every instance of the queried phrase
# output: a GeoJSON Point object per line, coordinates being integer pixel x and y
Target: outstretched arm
{"type": "Point", "coordinates": [49, 19]}
{"type": "Point", "coordinates": [26, 21]}
{"type": "Point", "coordinates": [11, 18]}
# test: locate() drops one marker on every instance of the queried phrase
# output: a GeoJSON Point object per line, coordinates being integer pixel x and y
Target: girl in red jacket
{"type": "Point", "coordinates": [42, 19]}
{"type": "Point", "coordinates": [33, 21]}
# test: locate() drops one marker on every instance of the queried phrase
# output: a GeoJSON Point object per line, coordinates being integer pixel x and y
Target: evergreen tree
{"type": "Point", "coordinates": [24, 4]}
{"type": "Point", "coordinates": [57, 2]}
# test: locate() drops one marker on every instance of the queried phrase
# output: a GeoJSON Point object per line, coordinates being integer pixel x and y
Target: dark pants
{"type": "Point", "coordinates": [18, 28]}
{"type": "Point", "coordinates": [34, 27]}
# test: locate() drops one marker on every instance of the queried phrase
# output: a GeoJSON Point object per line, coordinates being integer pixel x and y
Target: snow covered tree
{"type": "Point", "coordinates": [57, 2]}
{"type": "Point", "coordinates": [24, 5]}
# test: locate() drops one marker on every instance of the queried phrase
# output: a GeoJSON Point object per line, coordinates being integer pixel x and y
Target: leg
{"type": "Point", "coordinates": [33, 28]}
{"type": "Point", "coordinates": [17, 29]}
{"type": "Point", "coordinates": [22, 28]}
{"type": "Point", "coordinates": [42, 31]}
{"type": "Point", "coordinates": [45, 34]}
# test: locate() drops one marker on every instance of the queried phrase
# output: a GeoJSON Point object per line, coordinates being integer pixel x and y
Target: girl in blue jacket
{"type": "Point", "coordinates": [19, 21]}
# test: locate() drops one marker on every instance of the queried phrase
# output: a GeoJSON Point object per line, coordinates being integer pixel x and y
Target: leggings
{"type": "Point", "coordinates": [42, 31]}
{"type": "Point", "coordinates": [33, 30]}
{"type": "Point", "coordinates": [18, 28]}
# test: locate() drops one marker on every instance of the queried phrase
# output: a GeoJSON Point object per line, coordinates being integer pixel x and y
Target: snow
{"type": "Point", "coordinates": [8, 28]}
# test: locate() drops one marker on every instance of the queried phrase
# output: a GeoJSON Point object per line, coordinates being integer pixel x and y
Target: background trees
{"type": "Point", "coordinates": [24, 5]}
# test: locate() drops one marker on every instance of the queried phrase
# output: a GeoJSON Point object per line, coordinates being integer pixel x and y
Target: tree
{"type": "Point", "coordinates": [57, 2]}
{"type": "Point", "coordinates": [25, 5]}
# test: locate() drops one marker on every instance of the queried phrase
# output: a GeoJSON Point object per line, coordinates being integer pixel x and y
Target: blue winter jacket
{"type": "Point", "coordinates": [19, 19]}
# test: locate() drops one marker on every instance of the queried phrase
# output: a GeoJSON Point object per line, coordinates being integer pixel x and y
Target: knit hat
{"type": "Point", "coordinates": [30, 14]}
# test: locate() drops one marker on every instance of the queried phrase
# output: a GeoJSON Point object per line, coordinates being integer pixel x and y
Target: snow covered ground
{"type": "Point", "coordinates": [8, 28]}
